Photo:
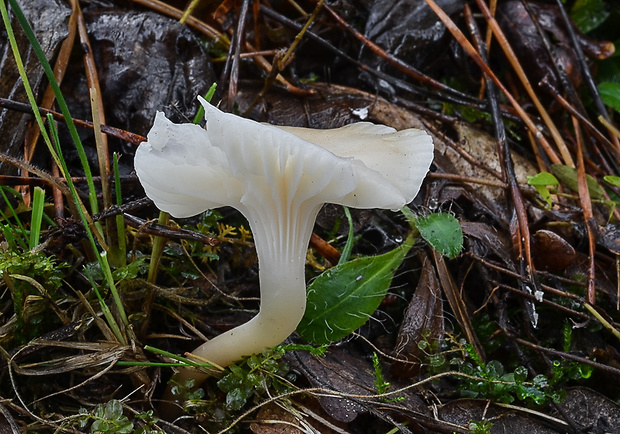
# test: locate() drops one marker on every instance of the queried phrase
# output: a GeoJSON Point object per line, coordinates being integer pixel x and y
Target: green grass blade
{"type": "Point", "coordinates": [348, 247]}
{"type": "Point", "coordinates": [84, 218]}
{"type": "Point", "coordinates": [120, 222]}
{"type": "Point", "coordinates": [201, 111]}
{"type": "Point", "coordinates": [106, 311]}
{"type": "Point", "coordinates": [36, 217]}
{"type": "Point", "coordinates": [22, 230]}
{"type": "Point", "coordinates": [92, 193]}
{"type": "Point", "coordinates": [107, 271]}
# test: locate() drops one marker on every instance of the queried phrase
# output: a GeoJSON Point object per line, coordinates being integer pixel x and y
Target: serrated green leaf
{"type": "Point", "coordinates": [443, 232]}
{"type": "Point", "coordinates": [568, 177]}
{"type": "Point", "coordinates": [342, 299]}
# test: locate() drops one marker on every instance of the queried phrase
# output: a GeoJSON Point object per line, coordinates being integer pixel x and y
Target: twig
{"type": "Point", "coordinates": [397, 63]}
{"type": "Point", "coordinates": [132, 138]}
{"type": "Point", "coordinates": [586, 205]}
{"type": "Point", "coordinates": [585, 69]}
{"type": "Point", "coordinates": [501, 38]}
{"type": "Point", "coordinates": [237, 44]}
{"type": "Point", "coordinates": [522, 236]}
{"type": "Point", "coordinates": [471, 51]}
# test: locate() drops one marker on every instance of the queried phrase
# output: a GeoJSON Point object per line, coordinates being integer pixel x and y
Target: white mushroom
{"type": "Point", "coordinates": [278, 178]}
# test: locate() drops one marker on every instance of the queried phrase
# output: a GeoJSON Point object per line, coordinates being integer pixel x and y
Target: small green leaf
{"type": "Point", "coordinates": [613, 180]}
{"type": "Point", "coordinates": [38, 203]}
{"type": "Point", "coordinates": [540, 182]}
{"type": "Point", "coordinates": [113, 410]}
{"type": "Point", "coordinates": [235, 399]}
{"type": "Point", "coordinates": [542, 178]}
{"type": "Point", "coordinates": [443, 232]}
{"type": "Point", "coordinates": [610, 94]}
{"type": "Point", "coordinates": [545, 194]}
{"type": "Point", "coordinates": [589, 14]}
{"type": "Point", "coordinates": [568, 177]}
{"type": "Point", "coordinates": [342, 299]}
{"type": "Point", "coordinates": [520, 374]}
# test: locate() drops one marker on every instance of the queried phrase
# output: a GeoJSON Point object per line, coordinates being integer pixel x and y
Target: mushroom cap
{"type": "Point", "coordinates": [238, 162]}
{"type": "Point", "coordinates": [399, 158]}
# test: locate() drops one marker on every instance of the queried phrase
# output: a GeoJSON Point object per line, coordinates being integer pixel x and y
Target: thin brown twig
{"type": "Point", "coordinates": [516, 65]}
{"type": "Point", "coordinates": [238, 40]}
{"type": "Point", "coordinates": [521, 232]}
{"type": "Point", "coordinates": [586, 205]}
{"type": "Point", "coordinates": [127, 136]}
{"type": "Point", "coordinates": [471, 51]}
{"type": "Point", "coordinates": [604, 368]}
{"type": "Point", "coordinates": [397, 63]}
{"type": "Point", "coordinates": [92, 81]}
{"type": "Point", "coordinates": [596, 97]}
{"type": "Point", "coordinates": [212, 33]}
{"type": "Point", "coordinates": [280, 60]}
{"type": "Point", "coordinates": [467, 179]}
{"type": "Point", "coordinates": [574, 112]}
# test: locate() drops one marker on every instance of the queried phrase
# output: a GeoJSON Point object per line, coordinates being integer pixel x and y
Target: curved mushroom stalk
{"type": "Point", "coordinates": [282, 305]}
{"type": "Point", "coordinates": [278, 178]}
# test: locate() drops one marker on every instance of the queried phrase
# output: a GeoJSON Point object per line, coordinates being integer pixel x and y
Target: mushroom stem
{"type": "Point", "coordinates": [281, 261]}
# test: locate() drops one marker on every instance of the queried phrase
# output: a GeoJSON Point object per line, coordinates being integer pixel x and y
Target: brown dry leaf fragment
{"type": "Point", "coordinates": [302, 417]}
{"type": "Point", "coordinates": [332, 106]}
{"type": "Point", "coordinates": [341, 371]}
{"type": "Point", "coordinates": [423, 321]}
{"type": "Point", "coordinates": [609, 236]}
{"type": "Point", "coordinates": [525, 39]}
{"type": "Point", "coordinates": [273, 419]}
{"type": "Point", "coordinates": [463, 411]}
{"type": "Point", "coordinates": [408, 28]}
{"type": "Point", "coordinates": [591, 411]}
{"type": "Point", "coordinates": [456, 302]}
{"type": "Point", "coordinates": [489, 239]}
{"type": "Point", "coordinates": [486, 164]}
{"type": "Point", "coordinates": [147, 62]}
{"type": "Point", "coordinates": [551, 252]}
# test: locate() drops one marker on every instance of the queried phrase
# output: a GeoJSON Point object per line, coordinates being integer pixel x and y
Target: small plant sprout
{"type": "Point", "coordinates": [278, 178]}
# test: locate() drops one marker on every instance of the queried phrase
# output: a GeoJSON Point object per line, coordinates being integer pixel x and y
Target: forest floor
{"type": "Point", "coordinates": [103, 297]}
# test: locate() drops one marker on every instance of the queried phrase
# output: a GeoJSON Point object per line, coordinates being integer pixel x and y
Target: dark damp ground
{"type": "Point", "coordinates": [519, 333]}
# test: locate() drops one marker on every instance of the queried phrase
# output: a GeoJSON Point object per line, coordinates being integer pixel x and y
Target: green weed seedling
{"type": "Point", "coordinates": [33, 279]}
{"type": "Point", "coordinates": [109, 418]}
{"type": "Point", "coordinates": [491, 381]}
{"type": "Point", "coordinates": [480, 426]}
{"type": "Point", "coordinates": [253, 377]}
{"type": "Point", "coordinates": [245, 383]}
{"type": "Point", "coordinates": [381, 385]}
{"type": "Point", "coordinates": [106, 418]}
{"type": "Point", "coordinates": [545, 184]}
